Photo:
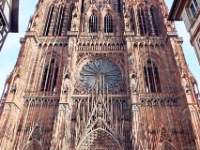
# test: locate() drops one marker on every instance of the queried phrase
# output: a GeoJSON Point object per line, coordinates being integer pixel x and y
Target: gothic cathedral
{"type": "Point", "coordinates": [100, 75]}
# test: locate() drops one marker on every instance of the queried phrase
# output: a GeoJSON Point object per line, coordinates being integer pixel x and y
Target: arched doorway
{"type": "Point", "coordinates": [33, 145]}
{"type": "Point", "coordinates": [99, 139]}
{"type": "Point", "coordinates": [166, 146]}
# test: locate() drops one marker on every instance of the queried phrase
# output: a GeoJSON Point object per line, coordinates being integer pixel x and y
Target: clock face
{"type": "Point", "coordinates": [100, 73]}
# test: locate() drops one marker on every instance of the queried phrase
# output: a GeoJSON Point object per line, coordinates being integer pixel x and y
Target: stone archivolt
{"type": "Point", "coordinates": [100, 140]}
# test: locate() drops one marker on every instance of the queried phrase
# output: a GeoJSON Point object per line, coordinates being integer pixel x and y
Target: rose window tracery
{"type": "Point", "coordinates": [100, 73]}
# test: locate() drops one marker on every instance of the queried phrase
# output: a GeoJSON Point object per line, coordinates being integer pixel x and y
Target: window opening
{"type": "Point", "coordinates": [119, 6]}
{"type": "Point", "coordinates": [154, 20]}
{"type": "Point", "coordinates": [82, 7]}
{"type": "Point", "coordinates": [93, 23]}
{"type": "Point", "coordinates": [1, 24]}
{"type": "Point", "coordinates": [142, 24]}
{"type": "Point", "coordinates": [151, 77]}
{"type": "Point", "coordinates": [50, 75]}
{"type": "Point", "coordinates": [133, 27]}
{"type": "Point", "coordinates": [194, 7]}
{"type": "Point", "coordinates": [59, 21]}
{"type": "Point", "coordinates": [48, 21]}
{"type": "Point", "coordinates": [70, 17]}
{"type": "Point", "coordinates": [148, 21]}
{"type": "Point", "coordinates": [108, 24]}
{"type": "Point", "coordinates": [196, 4]}
{"type": "Point", "coordinates": [198, 40]}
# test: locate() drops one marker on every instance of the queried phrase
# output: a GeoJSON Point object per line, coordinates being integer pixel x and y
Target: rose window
{"type": "Point", "coordinates": [100, 73]}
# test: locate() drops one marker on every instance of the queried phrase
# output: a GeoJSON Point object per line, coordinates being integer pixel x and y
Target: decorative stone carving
{"type": "Point", "coordinates": [36, 134]}
{"type": "Point", "coordinates": [164, 136]}
{"type": "Point", "coordinates": [160, 101]}
{"type": "Point", "coordinates": [100, 72]}
{"type": "Point", "coordinates": [166, 146]}
{"type": "Point", "coordinates": [33, 145]}
{"type": "Point", "coordinates": [100, 140]}
{"type": "Point", "coordinates": [104, 99]}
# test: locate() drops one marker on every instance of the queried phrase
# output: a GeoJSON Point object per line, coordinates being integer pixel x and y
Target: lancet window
{"type": "Point", "coordinates": [70, 17]}
{"type": "Point", "coordinates": [108, 24]}
{"type": "Point", "coordinates": [152, 80]}
{"type": "Point", "coordinates": [141, 20]}
{"type": "Point", "coordinates": [93, 23]}
{"type": "Point", "coordinates": [154, 20]}
{"type": "Point", "coordinates": [50, 75]}
{"type": "Point", "coordinates": [132, 19]}
{"type": "Point", "coordinates": [48, 21]}
{"type": "Point", "coordinates": [59, 21]}
{"type": "Point", "coordinates": [82, 7]}
{"type": "Point", "coordinates": [148, 21]}
{"type": "Point", "coordinates": [55, 21]}
{"type": "Point", "coordinates": [119, 6]}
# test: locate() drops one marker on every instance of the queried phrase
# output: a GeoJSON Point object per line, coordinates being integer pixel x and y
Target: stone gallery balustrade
{"type": "Point", "coordinates": [41, 94]}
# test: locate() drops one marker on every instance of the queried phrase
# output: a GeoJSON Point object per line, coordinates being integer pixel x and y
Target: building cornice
{"type": "Point", "coordinates": [176, 10]}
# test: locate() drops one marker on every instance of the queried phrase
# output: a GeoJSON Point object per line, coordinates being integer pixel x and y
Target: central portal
{"type": "Point", "coordinates": [99, 139]}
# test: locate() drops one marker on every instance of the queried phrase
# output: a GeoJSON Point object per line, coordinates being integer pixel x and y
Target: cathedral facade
{"type": "Point", "coordinates": [100, 75]}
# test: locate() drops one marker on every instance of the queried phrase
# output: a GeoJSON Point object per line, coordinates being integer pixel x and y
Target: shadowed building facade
{"type": "Point", "coordinates": [188, 11]}
{"type": "Point", "coordinates": [100, 75]}
{"type": "Point", "coordinates": [9, 10]}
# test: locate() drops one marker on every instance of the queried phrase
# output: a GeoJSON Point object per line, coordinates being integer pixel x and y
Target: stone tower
{"type": "Point", "coordinates": [100, 75]}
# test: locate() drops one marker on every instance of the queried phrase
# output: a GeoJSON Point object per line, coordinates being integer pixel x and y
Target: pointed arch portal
{"type": "Point", "coordinates": [166, 146]}
{"type": "Point", "coordinates": [99, 139]}
{"type": "Point", "coordinates": [33, 145]}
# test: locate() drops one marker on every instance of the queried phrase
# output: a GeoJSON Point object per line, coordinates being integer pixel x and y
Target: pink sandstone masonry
{"type": "Point", "coordinates": [100, 75]}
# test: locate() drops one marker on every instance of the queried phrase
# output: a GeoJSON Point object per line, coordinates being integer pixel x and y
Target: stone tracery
{"type": "Point", "coordinates": [100, 101]}
{"type": "Point", "coordinates": [99, 140]}
{"type": "Point", "coordinates": [98, 72]}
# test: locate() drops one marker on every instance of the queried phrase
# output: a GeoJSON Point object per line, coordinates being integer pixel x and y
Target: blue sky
{"type": "Point", "coordinates": [11, 48]}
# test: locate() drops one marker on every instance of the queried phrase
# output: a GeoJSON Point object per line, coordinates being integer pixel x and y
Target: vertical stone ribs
{"type": "Point", "coordinates": [133, 21]}
{"type": "Point", "coordinates": [148, 21]}
{"type": "Point", "coordinates": [108, 23]}
{"type": "Point", "coordinates": [37, 122]}
{"type": "Point", "coordinates": [58, 20]}
{"type": "Point", "coordinates": [151, 77]}
{"type": "Point", "coordinates": [109, 114]}
{"type": "Point", "coordinates": [50, 73]}
{"type": "Point", "coordinates": [9, 125]}
{"type": "Point", "coordinates": [48, 20]}
{"type": "Point", "coordinates": [142, 22]}
{"type": "Point", "coordinates": [93, 23]}
{"type": "Point", "coordinates": [154, 121]}
{"type": "Point", "coordinates": [100, 75]}
{"type": "Point", "coordinates": [155, 19]}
